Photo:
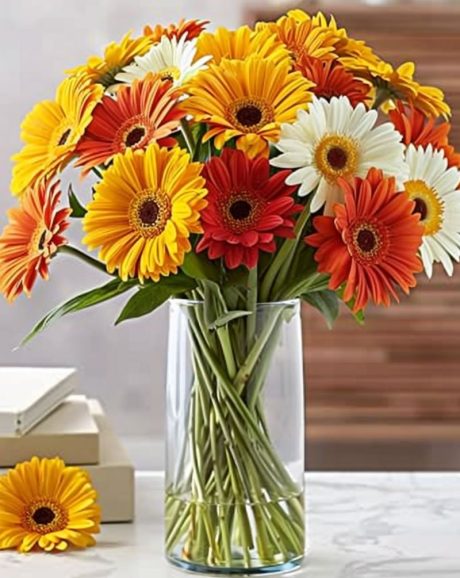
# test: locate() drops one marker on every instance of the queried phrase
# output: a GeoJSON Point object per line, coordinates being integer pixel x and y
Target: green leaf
{"type": "Point", "coordinates": [78, 210]}
{"type": "Point", "coordinates": [82, 301]}
{"type": "Point", "coordinates": [150, 297]}
{"type": "Point", "coordinates": [198, 266]}
{"type": "Point", "coordinates": [327, 302]}
{"type": "Point", "coordinates": [227, 317]}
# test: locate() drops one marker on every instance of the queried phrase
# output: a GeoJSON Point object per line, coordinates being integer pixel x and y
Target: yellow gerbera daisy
{"type": "Point", "coordinates": [103, 69]}
{"type": "Point", "coordinates": [240, 44]}
{"type": "Point", "coordinates": [247, 100]}
{"type": "Point", "coordinates": [47, 505]}
{"type": "Point", "coordinates": [303, 37]}
{"type": "Point", "coordinates": [144, 210]}
{"type": "Point", "coordinates": [399, 84]}
{"type": "Point", "coordinates": [51, 131]}
{"type": "Point", "coordinates": [345, 48]}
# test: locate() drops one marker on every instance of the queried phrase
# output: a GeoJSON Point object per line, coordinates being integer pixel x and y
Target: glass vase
{"type": "Point", "coordinates": [235, 439]}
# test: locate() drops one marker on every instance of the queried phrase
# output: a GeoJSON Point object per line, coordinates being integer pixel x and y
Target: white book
{"type": "Point", "coordinates": [29, 394]}
{"type": "Point", "coordinates": [69, 432]}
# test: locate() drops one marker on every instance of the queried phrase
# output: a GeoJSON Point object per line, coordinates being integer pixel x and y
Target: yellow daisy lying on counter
{"type": "Point", "coordinates": [46, 505]}
{"type": "Point", "coordinates": [52, 130]}
{"type": "Point", "coordinates": [144, 211]}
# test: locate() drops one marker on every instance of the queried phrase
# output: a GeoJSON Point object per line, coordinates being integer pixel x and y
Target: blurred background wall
{"type": "Point", "coordinates": [383, 396]}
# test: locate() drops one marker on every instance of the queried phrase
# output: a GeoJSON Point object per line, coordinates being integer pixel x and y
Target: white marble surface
{"type": "Point", "coordinates": [359, 526]}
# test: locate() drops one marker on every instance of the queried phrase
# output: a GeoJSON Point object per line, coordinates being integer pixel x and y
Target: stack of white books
{"type": "Point", "coordinates": [41, 415]}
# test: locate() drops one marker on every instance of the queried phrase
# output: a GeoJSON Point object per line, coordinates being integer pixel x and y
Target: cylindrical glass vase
{"type": "Point", "coordinates": [235, 439]}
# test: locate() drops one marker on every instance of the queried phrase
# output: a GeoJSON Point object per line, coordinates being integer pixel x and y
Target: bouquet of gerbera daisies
{"type": "Point", "coordinates": [235, 168]}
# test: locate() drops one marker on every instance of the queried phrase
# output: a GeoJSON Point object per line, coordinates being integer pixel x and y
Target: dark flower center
{"type": "Point", "coordinates": [64, 137]}
{"type": "Point", "coordinates": [135, 136]}
{"type": "Point", "coordinates": [366, 240]}
{"type": "Point", "coordinates": [249, 115]}
{"type": "Point", "coordinates": [240, 210]}
{"type": "Point", "coordinates": [148, 212]}
{"type": "Point", "coordinates": [421, 207]}
{"type": "Point", "coordinates": [41, 241]}
{"type": "Point", "coordinates": [43, 516]}
{"type": "Point", "coordinates": [337, 158]}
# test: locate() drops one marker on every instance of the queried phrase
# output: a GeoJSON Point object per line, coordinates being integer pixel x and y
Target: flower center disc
{"type": "Point", "coordinates": [149, 212]}
{"type": "Point", "coordinates": [240, 210]}
{"type": "Point", "coordinates": [43, 516]}
{"type": "Point", "coordinates": [368, 242]}
{"type": "Point", "coordinates": [428, 204]}
{"type": "Point", "coordinates": [64, 137]}
{"type": "Point", "coordinates": [171, 73]}
{"type": "Point", "coordinates": [249, 114]}
{"type": "Point", "coordinates": [134, 136]}
{"type": "Point", "coordinates": [337, 156]}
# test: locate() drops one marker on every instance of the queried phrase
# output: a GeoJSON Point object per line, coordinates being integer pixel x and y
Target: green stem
{"type": "Point", "coordinates": [188, 136]}
{"type": "Point", "coordinates": [251, 321]}
{"type": "Point", "coordinates": [283, 256]}
{"type": "Point", "coordinates": [70, 250]}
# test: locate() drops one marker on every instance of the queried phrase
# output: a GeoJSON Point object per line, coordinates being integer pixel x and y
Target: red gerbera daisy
{"type": "Point", "coordinates": [371, 243]}
{"type": "Point", "coordinates": [247, 208]}
{"type": "Point", "coordinates": [31, 238]}
{"type": "Point", "coordinates": [332, 79]}
{"type": "Point", "coordinates": [147, 110]}
{"type": "Point", "coordinates": [190, 28]}
{"type": "Point", "coordinates": [420, 130]}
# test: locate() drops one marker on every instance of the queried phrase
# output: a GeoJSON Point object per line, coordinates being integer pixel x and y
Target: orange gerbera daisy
{"type": "Point", "coordinates": [332, 79]}
{"type": "Point", "coordinates": [31, 238]}
{"type": "Point", "coordinates": [302, 37]}
{"type": "Point", "coordinates": [371, 243]}
{"type": "Point", "coordinates": [145, 111]}
{"type": "Point", "coordinates": [420, 130]}
{"type": "Point", "coordinates": [189, 28]}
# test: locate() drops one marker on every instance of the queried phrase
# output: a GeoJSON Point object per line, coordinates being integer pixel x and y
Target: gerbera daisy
{"type": "Point", "coordinates": [188, 28]}
{"type": "Point", "coordinates": [52, 130]}
{"type": "Point", "coordinates": [170, 59]}
{"type": "Point", "coordinates": [32, 237]}
{"type": "Point", "coordinates": [240, 44]}
{"type": "Point", "coordinates": [302, 37]}
{"type": "Point", "coordinates": [334, 140]}
{"type": "Point", "coordinates": [420, 130]}
{"type": "Point", "coordinates": [247, 209]}
{"type": "Point", "coordinates": [116, 56]}
{"type": "Point", "coordinates": [399, 84]}
{"type": "Point", "coordinates": [432, 186]}
{"type": "Point", "coordinates": [145, 111]}
{"type": "Point", "coordinates": [144, 211]}
{"type": "Point", "coordinates": [332, 79]}
{"type": "Point", "coordinates": [46, 505]}
{"type": "Point", "coordinates": [246, 100]}
{"type": "Point", "coordinates": [370, 244]}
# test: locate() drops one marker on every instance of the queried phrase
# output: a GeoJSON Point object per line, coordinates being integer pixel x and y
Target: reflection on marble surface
{"type": "Point", "coordinates": [359, 526]}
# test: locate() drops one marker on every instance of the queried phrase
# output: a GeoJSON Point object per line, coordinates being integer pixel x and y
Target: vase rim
{"type": "Point", "coordinates": [261, 305]}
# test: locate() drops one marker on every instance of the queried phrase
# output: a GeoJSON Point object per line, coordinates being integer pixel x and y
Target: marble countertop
{"type": "Point", "coordinates": [359, 526]}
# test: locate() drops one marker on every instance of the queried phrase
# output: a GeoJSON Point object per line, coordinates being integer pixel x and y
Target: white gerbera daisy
{"type": "Point", "coordinates": [170, 58]}
{"type": "Point", "coordinates": [433, 187]}
{"type": "Point", "coordinates": [334, 140]}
